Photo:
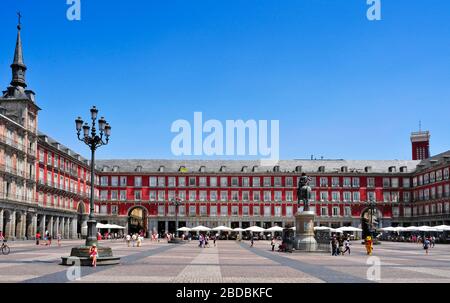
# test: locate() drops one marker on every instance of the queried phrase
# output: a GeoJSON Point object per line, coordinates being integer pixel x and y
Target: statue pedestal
{"type": "Point", "coordinates": [304, 232]}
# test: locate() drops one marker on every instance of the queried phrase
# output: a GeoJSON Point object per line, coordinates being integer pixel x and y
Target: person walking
{"type": "Point", "coordinates": [93, 252]}
{"type": "Point", "coordinates": [133, 239]}
{"type": "Point", "coordinates": [369, 245]}
{"type": "Point", "coordinates": [58, 237]}
{"type": "Point", "coordinates": [214, 240]}
{"type": "Point", "coordinates": [128, 239]}
{"type": "Point", "coordinates": [252, 241]}
{"type": "Point", "coordinates": [334, 246]}
{"type": "Point", "coordinates": [272, 243]}
{"type": "Point", "coordinates": [347, 246]}
{"type": "Point", "coordinates": [49, 238]}
{"type": "Point", "coordinates": [433, 241]}
{"type": "Point", "coordinates": [341, 245]}
{"type": "Point", "coordinates": [38, 237]}
{"type": "Point", "coordinates": [426, 245]}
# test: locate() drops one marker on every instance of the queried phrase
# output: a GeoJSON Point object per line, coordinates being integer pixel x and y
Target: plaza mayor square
{"type": "Point", "coordinates": [241, 143]}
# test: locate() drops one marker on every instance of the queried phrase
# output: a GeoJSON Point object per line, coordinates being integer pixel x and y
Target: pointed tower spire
{"type": "Point", "coordinates": [18, 66]}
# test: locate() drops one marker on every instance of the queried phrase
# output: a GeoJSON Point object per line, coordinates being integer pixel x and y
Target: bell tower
{"type": "Point", "coordinates": [420, 143]}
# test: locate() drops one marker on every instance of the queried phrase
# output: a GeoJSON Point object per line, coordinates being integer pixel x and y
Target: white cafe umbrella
{"type": "Point", "coordinates": [200, 228]}
{"type": "Point", "coordinates": [238, 229]}
{"type": "Point", "coordinates": [322, 228]}
{"type": "Point", "coordinates": [100, 225]}
{"type": "Point", "coordinates": [274, 228]}
{"type": "Point", "coordinates": [222, 228]}
{"type": "Point", "coordinates": [255, 229]}
{"type": "Point", "coordinates": [399, 229]}
{"type": "Point", "coordinates": [411, 228]}
{"type": "Point", "coordinates": [349, 229]}
{"type": "Point", "coordinates": [336, 231]}
{"type": "Point", "coordinates": [390, 228]}
{"type": "Point", "coordinates": [443, 228]}
{"type": "Point", "coordinates": [184, 229]}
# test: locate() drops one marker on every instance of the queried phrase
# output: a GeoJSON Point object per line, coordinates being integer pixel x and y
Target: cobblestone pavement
{"type": "Point", "coordinates": [230, 261]}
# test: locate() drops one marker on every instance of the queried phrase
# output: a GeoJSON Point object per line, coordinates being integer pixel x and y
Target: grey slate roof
{"type": "Point", "coordinates": [377, 166]}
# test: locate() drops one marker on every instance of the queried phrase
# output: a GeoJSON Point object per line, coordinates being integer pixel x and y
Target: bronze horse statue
{"type": "Point", "coordinates": [304, 191]}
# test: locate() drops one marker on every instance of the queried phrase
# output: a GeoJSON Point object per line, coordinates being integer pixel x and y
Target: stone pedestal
{"type": "Point", "coordinates": [80, 255]}
{"type": "Point", "coordinates": [304, 232]}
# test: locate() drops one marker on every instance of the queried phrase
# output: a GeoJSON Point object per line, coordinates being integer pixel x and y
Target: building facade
{"type": "Point", "coordinates": [46, 186]}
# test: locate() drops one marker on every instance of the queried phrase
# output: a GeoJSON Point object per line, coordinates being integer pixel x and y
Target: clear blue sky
{"type": "Point", "coordinates": [341, 86]}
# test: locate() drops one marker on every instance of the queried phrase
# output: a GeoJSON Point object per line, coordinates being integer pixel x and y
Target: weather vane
{"type": "Point", "coordinates": [19, 15]}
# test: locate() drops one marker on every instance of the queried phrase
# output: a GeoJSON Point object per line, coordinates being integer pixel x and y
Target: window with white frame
{"type": "Point", "coordinates": [347, 182]}
{"type": "Point", "coordinates": [256, 210]}
{"type": "Point", "coordinates": [123, 181]}
{"type": "Point", "coordinates": [171, 195]}
{"type": "Point", "coordinates": [439, 175]}
{"type": "Point", "coordinates": [137, 181]}
{"type": "Point", "coordinates": [446, 173]}
{"type": "Point", "coordinates": [171, 210]}
{"type": "Point", "coordinates": [335, 182]}
{"type": "Point", "coordinates": [267, 196]}
{"type": "Point", "coordinates": [245, 211]}
{"type": "Point", "coordinates": [123, 195]}
{"type": "Point", "coordinates": [420, 181]}
{"type": "Point", "coordinates": [323, 182]}
{"type": "Point", "coordinates": [181, 210]}
{"type": "Point", "coordinates": [223, 196]}
{"type": "Point", "coordinates": [181, 181]}
{"type": "Point", "coordinates": [192, 195]}
{"type": "Point", "coordinates": [323, 196]}
{"type": "Point", "coordinates": [277, 195]}
{"type": "Point", "coordinates": [234, 210]}
{"type": "Point", "coordinates": [202, 195]}
{"type": "Point", "coordinates": [213, 181]}
{"type": "Point", "coordinates": [192, 181]}
{"type": "Point", "coordinates": [277, 181]}
{"type": "Point", "coordinates": [256, 196]}
{"type": "Point", "coordinates": [223, 181]}
{"type": "Point", "coordinates": [202, 181]}
{"type": "Point", "coordinates": [245, 196]}
{"type": "Point", "coordinates": [336, 212]}
{"type": "Point", "coordinates": [355, 182]}
{"type": "Point", "coordinates": [347, 211]}
{"type": "Point", "coordinates": [213, 210]}
{"type": "Point", "coordinates": [432, 177]}
{"type": "Point", "coordinates": [103, 195]}
{"type": "Point", "coordinates": [426, 178]}
{"type": "Point", "coordinates": [114, 181]}
{"type": "Point", "coordinates": [152, 195]}
{"type": "Point", "coordinates": [213, 196]}
{"type": "Point", "coordinates": [234, 181]}
{"type": "Point", "coordinates": [104, 181]}
{"type": "Point", "coordinates": [267, 182]}
{"type": "Point", "coordinates": [245, 182]}
{"type": "Point", "coordinates": [289, 211]}
{"type": "Point", "coordinates": [161, 195]}
{"type": "Point", "coordinates": [277, 210]}
{"type": "Point", "coordinates": [182, 195]}
{"type": "Point", "coordinates": [371, 182]}
{"type": "Point", "coordinates": [256, 182]}
{"type": "Point", "coordinates": [267, 211]}
{"type": "Point", "coordinates": [313, 196]}
{"type": "Point", "coordinates": [224, 210]}
{"type": "Point", "coordinates": [394, 182]}
{"type": "Point", "coordinates": [234, 196]}
{"type": "Point", "coordinates": [440, 191]}
{"type": "Point", "coordinates": [406, 183]}
{"type": "Point", "coordinates": [114, 195]}
{"type": "Point", "coordinates": [356, 196]}
{"type": "Point", "coordinates": [192, 210]}
{"type": "Point", "coordinates": [171, 181]}
{"type": "Point", "coordinates": [386, 182]}
{"type": "Point", "coordinates": [137, 195]}
{"type": "Point", "coordinates": [289, 196]}
{"type": "Point", "coordinates": [395, 212]}
{"type": "Point", "coordinates": [203, 210]}
{"type": "Point", "coordinates": [161, 181]}
{"type": "Point", "coordinates": [447, 190]}
{"type": "Point", "coordinates": [289, 182]}
{"type": "Point", "coordinates": [324, 211]}
{"type": "Point", "coordinates": [406, 196]}
{"type": "Point", "coordinates": [433, 193]}
{"type": "Point", "coordinates": [114, 209]}
{"type": "Point", "coordinates": [394, 196]}
{"type": "Point", "coordinates": [387, 196]}
{"type": "Point", "coordinates": [335, 196]}
{"type": "Point", "coordinates": [103, 209]}
{"type": "Point", "coordinates": [161, 210]}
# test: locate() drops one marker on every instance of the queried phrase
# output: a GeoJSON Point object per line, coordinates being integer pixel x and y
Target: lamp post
{"type": "Point", "coordinates": [371, 204]}
{"type": "Point", "coordinates": [176, 202]}
{"type": "Point", "coordinates": [94, 140]}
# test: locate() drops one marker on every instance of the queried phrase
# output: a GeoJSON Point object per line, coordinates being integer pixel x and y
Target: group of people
{"type": "Point", "coordinates": [134, 239]}
{"type": "Point", "coordinates": [428, 242]}
{"type": "Point", "coordinates": [340, 246]}
{"type": "Point", "coordinates": [205, 239]}
{"type": "Point", "coordinates": [47, 237]}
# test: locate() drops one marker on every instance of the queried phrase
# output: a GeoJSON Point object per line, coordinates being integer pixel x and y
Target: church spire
{"type": "Point", "coordinates": [18, 66]}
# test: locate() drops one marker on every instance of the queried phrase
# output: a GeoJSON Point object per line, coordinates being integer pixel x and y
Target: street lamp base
{"type": "Point", "coordinates": [80, 256]}
{"type": "Point", "coordinates": [176, 241]}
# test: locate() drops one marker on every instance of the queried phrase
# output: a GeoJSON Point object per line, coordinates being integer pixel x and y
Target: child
{"type": "Point", "coordinates": [93, 255]}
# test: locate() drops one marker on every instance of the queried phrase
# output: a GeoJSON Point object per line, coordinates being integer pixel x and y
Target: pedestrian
{"type": "Point", "coordinates": [58, 237]}
{"type": "Point", "coordinates": [38, 237]}
{"type": "Point", "coordinates": [341, 245]}
{"type": "Point", "coordinates": [46, 237]}
{"type": "Point", "coordinates": [273, 244]}
{"type": "Point", "coordinates": [426, 245]}
{"type": "Point", "coordinates": [433, 241]}
{"type": "Point", "coordinates": [49, 238]}
{"type": "Point", "coordinates": [128, 239]}
{"type": "Point", "coordinates": [214, 240]}
{"type": "Point", "coordinates": [139, 241]}
{"type": "Point", "coordinates": [252, 241]}
{"type": "Point", "coordinates": [347, 246]}
{"type": "Point", "coordinates": [334, 246]}
{"type": "Point", "coordinates": [133, 239]}
{"type": "Point", "coordinates": [369, 245]}
{"type": "Point", "coordinates": [2, 238]}
{"type": "Point", "coordinates": [93, 254]}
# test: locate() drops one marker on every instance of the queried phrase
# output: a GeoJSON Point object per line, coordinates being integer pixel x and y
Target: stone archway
{"type": "Point", "coordinates": [6, 223]}
{"type": "Point", "coordinates": [137, 220]}
{"type": "Point", "coordinates": [82, 218]}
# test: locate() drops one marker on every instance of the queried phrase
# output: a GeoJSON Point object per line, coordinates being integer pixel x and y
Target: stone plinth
{"type": "Point", "coordinates": [304, 232]}
{"type": "Point", "coordinates": [81, 254]}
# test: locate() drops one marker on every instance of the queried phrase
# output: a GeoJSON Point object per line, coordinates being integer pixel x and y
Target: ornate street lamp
{"type": "Point", "coordinates": [176, 202]}
{"type": "Point", "coordinates": [372, 205]}
{"type": "Point", "coordinates": [94, 139]}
